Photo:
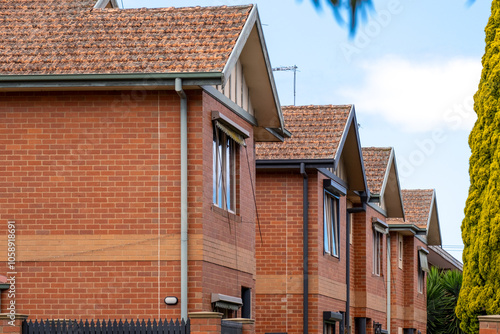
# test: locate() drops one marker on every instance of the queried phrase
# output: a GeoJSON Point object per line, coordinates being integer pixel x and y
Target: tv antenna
{"type": "Point", "coordinates": [294, 69]}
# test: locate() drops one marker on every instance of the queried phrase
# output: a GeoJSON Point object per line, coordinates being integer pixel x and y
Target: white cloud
{"type": "Point", "coordinates": [419, 96]}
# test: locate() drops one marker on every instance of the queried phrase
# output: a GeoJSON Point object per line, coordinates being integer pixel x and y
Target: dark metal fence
{"type": "Point", "coordinates": [105, 327]}
{"type": "Point", "coordinates": [228, 327]}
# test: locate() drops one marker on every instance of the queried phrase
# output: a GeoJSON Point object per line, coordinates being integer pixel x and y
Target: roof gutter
{"type": "Point", "coordinates": [148, 80]}
{"type": "Point", "coordinates": [294, 163]}
{"type": "Point", "coordinates": [406, 227]}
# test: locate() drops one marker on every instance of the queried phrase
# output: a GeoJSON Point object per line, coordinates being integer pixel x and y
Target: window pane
{"type": "Point", "coordinates": [227, 173]}
{"type": "Point", "coordinates": [335, 226]}
{"type": "Point", "coordinates": [376, 252]}
{"type": "Point", "coordinates": [326, 224]}
{"type": "Point", "coordinates": [220, 176]}
{"type": "Point", "coordinates": [224, 170]}
{"type": "Point", "coordinates": [214, 171]}
{"type": "Point", "coordinates": [331, 224]}
{"type": "Point", "coordinates": [232, 174]}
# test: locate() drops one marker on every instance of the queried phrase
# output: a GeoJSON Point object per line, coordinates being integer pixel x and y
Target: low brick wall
{"type": "Point", "coordinates": [201, 323]}
{"type": "Point", "coordinates": [489, 324]}
{"type": "Point", "coordinates": [11, 323]}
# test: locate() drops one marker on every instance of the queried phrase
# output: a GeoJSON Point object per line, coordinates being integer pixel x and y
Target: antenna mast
{"type": "Point", "coordinates": [294, 69]}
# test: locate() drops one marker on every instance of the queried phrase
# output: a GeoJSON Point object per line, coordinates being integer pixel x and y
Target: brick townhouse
{"type": "Point", "coordinates": [309, 188]}
{"type": "Point", "coordinates": [127, 157]}
{"type": "Point", "coordinates": [318, 192]}
{"type": "Point", "coordinates": [410, 242]}
{"type": "Point", "coordinates": [372, 242]}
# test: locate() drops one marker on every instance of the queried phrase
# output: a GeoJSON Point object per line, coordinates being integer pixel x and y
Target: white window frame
{"type": "Point", "coordinates": [331, 224]}
{"type": "Point", "coordinates": [224, 171]}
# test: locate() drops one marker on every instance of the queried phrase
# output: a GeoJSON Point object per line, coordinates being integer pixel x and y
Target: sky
{"type": "Point", "coordinates": [411, 71]}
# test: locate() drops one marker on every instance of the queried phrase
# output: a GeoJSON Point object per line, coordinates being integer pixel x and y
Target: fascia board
{"type": "Point", "coordinates": [432, 208]}
{"type": "Point", "coordinates": [101, 4]}
{"type": "Point", "coordinates": [240, 44]}
{"type": "Point", "coordinates": [392, 162]}
{"type": "Point", "coordinates": [343, 138]}
{"type": "Point", "coordinates": [393, 154]}
{"type": "Point", "coordinates": [386, 174]}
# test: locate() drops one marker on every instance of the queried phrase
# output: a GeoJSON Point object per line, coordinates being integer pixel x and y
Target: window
{"type": "Point", "coordinates": [328, 328]}
{"type": "Point", "coordinates": [400, 251]}
{"type": "Point", "coordinates": [246, 298]}
{"type": "Point", "coordinates": [331, 224]}
{"type": "Point", "coordinates": [421, 277]}
{"type": "Point", "coordinates": [423, 266]}
{"type": "Point", "coordinates": [380, 228]}
{"type": "Point", "coordinates": [377, 252]}
{"type": "Point", "coordinates": [224, 181]}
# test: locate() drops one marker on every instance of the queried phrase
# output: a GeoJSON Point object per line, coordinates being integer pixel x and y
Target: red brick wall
{"type": "Point", "coordinates": [331, 270]}
{"type": "Point", "coordinates": [408, 306]}
{"type": "Point", "coordinates": [280, 254]}
{"type": "Point", "coordinates": [92, 180]}
{"type": "Point", "coordinates": [397, 286]}
{"type": "Point", "coordinates": [228, 240]}
{"type": "Point", "coordinates": [369, 291]}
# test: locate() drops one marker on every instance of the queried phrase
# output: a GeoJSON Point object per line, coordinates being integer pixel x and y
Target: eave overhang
{"type": "Point", "coordinates": [407, 229]}
{"type": "Point", "coordinates": [441, 259]}
{"type": "Point", "coordinates": [148, 81]}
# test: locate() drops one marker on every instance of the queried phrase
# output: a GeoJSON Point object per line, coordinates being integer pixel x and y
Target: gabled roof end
{"type": "Point", "coordinates": [106, 4]}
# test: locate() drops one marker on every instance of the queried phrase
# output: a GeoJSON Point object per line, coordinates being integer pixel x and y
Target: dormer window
{"type": "Point", "coordinates": [106, 4]}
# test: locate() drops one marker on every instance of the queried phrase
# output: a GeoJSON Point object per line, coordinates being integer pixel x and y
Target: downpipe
{"type": "Point", "coordinates": [389, 264]}
{"type": "Point", "coordinates": [305, 252]}
{"type": "Point", "coordinates": [184, 200]}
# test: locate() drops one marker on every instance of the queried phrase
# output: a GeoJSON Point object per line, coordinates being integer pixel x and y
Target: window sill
{"type": "Point", "coordinates": [226, 214]}
{"type": "Point", "coordinates": [328, 255]}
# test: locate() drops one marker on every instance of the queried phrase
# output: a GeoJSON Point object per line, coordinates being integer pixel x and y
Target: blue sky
{"type": "Point", "coordinates": [411, 71]}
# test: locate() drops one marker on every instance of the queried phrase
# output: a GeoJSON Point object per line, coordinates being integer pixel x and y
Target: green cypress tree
{"type": "Point", "coordinates": [480, 293]}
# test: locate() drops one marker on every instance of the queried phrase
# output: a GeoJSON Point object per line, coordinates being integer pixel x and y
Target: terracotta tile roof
{"type": "Point", "coordinates": [376, 160]}
{"type": "Point", "coordinates": [71, 37]}
{"type": "Point", "coordinates": [316, 133]}
{"type": "Point", "coordinates": [417, 204]}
